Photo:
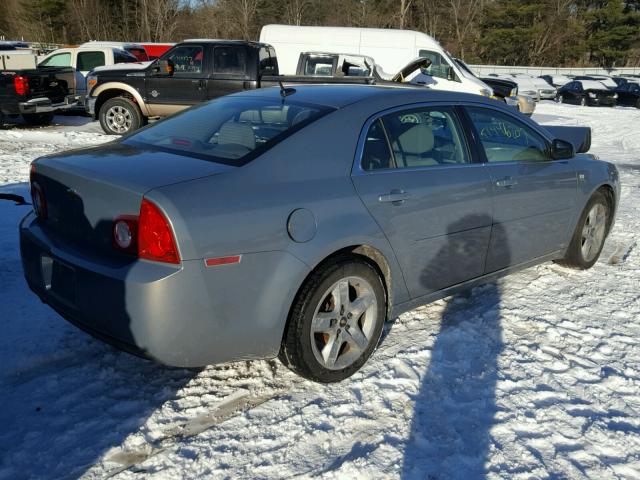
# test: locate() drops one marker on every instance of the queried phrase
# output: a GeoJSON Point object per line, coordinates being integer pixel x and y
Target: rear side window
{"type": "Point", "coordinates": [376, 154]}
{"type": "Point", "coordinates": [89, 60]}
{"type": "Point", "coordinates": [425, 137]}
{"type": "Point", "coordinates": [505, 139]}
{"type": "Point", "coordinates": [229, 130]}
{"type": "Point", "coordinates": [59, 60]}
{"type": "Point", "coordinates": [230, 60]}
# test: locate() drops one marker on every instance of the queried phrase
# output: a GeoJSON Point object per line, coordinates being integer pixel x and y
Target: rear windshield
{"type": "Point", "coordinates": [229, 130]}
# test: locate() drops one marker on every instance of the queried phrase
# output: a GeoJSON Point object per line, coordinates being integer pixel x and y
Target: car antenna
{"type": "Point", "coordinates": [285, 92]}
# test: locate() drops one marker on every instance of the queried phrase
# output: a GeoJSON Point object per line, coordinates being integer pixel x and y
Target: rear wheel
{"type": "Point", "coordinates": [583, 101]}
{"type": "Point", "coordinates": [38, 119]}
{"type": "Point", "coordinates": [336, 321]}
{"type": "Point", "coordinates": [588, 239]}
{"type": "Point", "coordinates": [120, 115]}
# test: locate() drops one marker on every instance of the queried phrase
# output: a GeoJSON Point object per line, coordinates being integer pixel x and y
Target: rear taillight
{"type": "Point", "coordinates": [155, 236]}
{"type": "Point", "coordinates": [38, 200]}
{"type": "Point", "coordinates": [21, 84]}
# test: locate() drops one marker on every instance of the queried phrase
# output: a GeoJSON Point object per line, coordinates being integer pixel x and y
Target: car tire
{"type": "Point", "coordinates": [38, 119]}
{"type": "Point", "coordinates": [324, 348]}
{"type": "Point", "coordinates": [560, 99]}
{"type": "Point", "coordinates": [583, 102]}
{"type": "Point", "coordinates": [590, 234]}
{"type": "Point", "coordinates": [120, 115]}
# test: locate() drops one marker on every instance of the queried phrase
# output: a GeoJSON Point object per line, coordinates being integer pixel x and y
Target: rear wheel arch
{"type": "Point", "coordinates": [370, 254]}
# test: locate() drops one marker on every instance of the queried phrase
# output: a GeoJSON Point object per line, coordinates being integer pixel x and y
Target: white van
{"type": "Point", "coordinates": [391, 50]}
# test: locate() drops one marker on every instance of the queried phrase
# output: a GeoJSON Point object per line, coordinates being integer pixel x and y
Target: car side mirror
{"type": "Point", "coordinates": [451, 75]}
{"type": "Point", "coordinates": [561, 150]}
{"type": "Point", "coordinates": [163, 68]}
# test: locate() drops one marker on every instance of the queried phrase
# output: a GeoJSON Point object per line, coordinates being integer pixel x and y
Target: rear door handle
{"type": "Point", "coordinates": [396, 197]}
{"type": "Point", "coordinates": [506, 182]}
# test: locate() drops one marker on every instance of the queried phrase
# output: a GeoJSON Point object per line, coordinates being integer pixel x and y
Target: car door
{"type": "Point", "coordinates": [533, 195]}
{"type": "Point", "coordinates": [229, 70]}
{"type": "Point", "coordinates": [87, 60]}
{"type": "Point", "coordinates": [167, 94]}
{"type": "Point", "coordinates": [416, 176]}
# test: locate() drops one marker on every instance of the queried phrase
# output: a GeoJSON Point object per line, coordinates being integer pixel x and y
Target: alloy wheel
{"type": "Point", "coordinates": [119, 119]}
{"type": "Point", "coordinates": [593, 231]}
{"type": "Point", "coordinates": [344, 323]}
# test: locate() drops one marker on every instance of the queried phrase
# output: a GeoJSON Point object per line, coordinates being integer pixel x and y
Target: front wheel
{"type": "Point", "coordinates": [120, 115]}
{"type": "Point", "coordinates": [588, 238]}
{"type": "Point", "coordinates": [336, 321]}
{"type": "Point", "coordinates": [38, 119]}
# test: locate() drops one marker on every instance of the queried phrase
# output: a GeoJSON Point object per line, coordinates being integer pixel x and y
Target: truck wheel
{"type": "Point", "coordinates": [119, 115]}
{"type": "Point", "coordinates": [38, 119]}
{"type": "Point", "coordinates": [589, 235]}
{"type": "Point", "coordinates": [336, 321]}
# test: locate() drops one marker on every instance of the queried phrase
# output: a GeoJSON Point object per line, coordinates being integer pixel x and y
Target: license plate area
{"type": "Point", "coordinates": [59, 279]}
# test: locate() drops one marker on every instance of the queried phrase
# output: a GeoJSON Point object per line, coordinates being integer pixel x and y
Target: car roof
{"type": "Point", "coordinates": [592, 85]}
{"type": "Point", "coordinates": [225, 42]}
{"type": "Point", "coordinates": [338, 96]}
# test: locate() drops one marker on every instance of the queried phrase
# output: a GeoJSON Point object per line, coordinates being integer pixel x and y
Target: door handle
{"type": "Point", "coordinates": [506, 182]}
{"type": "Point", "coordinates": [396, 197]}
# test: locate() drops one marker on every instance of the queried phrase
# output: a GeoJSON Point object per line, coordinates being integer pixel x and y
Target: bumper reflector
{"type": "Point", "coordinates": [214, 262]}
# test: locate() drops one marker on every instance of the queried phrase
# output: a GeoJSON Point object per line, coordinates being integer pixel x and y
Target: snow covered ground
{"type": "Point", "coordinates": [536, 377]}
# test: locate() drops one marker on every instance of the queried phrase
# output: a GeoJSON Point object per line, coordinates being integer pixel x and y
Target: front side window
{"type": "Point", "coordinates": [186, 59]}
{"type": "Point", "coordinates": [231, 60]}
{"type": "Point", "coordinates": [89, 60]}
{"type": "Point", "coordinates": [505, 139]}
{"type": "Point", "coordinates": [229, 130]}
{"type": "Point", "coordinates": [59, 60]}
{"type": "Point", "coordinates": [439, 66]}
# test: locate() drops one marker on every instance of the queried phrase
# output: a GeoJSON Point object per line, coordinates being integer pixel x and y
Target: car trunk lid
{"type": "Point", "coordinates": [86, 190]}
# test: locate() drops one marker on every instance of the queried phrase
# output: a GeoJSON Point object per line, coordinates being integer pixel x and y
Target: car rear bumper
{"type": "Point", "coordinates": [44, 105]}
{"type": "Point", "coordinates": [602, 102]}
{"type": "Point", "coordinates": [184, 316]}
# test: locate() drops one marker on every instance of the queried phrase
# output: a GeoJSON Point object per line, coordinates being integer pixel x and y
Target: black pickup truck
{"type": "Point", "coordinates": [124, 97]}
{"type": "Point", "coordinates": [34, 93]}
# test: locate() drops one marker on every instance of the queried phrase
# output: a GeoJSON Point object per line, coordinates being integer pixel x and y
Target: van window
{"type": "Point", "coordinates": [87, 61]}
{"type": "Point", "coordinates": [59, 60]}
{"type": "Point", "coordinates": [439, 67]}
{"type": "Point", "coordinates": [230, 60]}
